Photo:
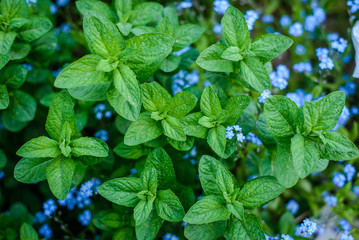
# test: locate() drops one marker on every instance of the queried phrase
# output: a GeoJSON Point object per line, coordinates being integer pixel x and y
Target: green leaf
{"type": "Point", "coordinates": [284, 169]}
{"type": "Point", "coordinates": [13, 9]}
{"type": "Point", "coordinates": [149, 51]}
{"type": "Point", "coordinates": [226, 183]}
{"type": "Point", "coordinates": [181, 104]}
{"type": "Point", "coordinates": [123, 9]}
{"type": "Point", "coordinates": [87, 6]}
{"type": "Point", "coordinates": [254, 74]}
{"type": "Point", "coordinates": [329, 110]}
{"type": "Point", "coordinates": [4, 97]}
{"type": "Point", "coordinates": [143, 210]}
{"type": "Point", "coordinates": [114, 220]}
{"type": "Point", "coordinates": [23, 106]}
{"type": "Point", "coordinates": [235, 107]}
{"type": "Point", "coordinates": [171, 63]}
{"type": "Point", "coordinates": [149, 180]}
{"type": "Point", "coordinates": [248, 229]}
{"type": "Point", "coordinates": [88, 146]}
{"type": "Point", "coordinates": [192, 127]}
{"type": "Point", "coordinates": [125, 28]}
{"type": "Point", "coordinates": [165, 26]}
{"type": "Point", "coordinates": [130, 152]}
{"type": "Point", "coordinates": [208, 209]}
{"type": "Point", "coordinates": [168, 206]}
{"type": "Point", "coordinates": [20, 50]}
{"type": "Point", "coordinates": [259, 191]}
{"type": "Point", "coordinates": [149, 229]}
{"type": "Point", "coordinates": [3, 159]}
{"type": "Point", "coordinates": [232, 54]}
{"type": "Point", "coordinates": [122, 191]}
{"type": "Point", "coordinates": [154, 96]}
{"type": "Point", "coordinates": [210, 104]}
{"type": "Point", "coordinates": [107, 65]}
{"type": "Point", "coordinates": [237, 209]}
{"type": "Point", "coordinates": [144, 129]}
{"type": "Point", "coordinates": [61, 111]}
{"type": "Point", "coordinates": [36, 28]}
{"type": "Point", "coordinates": [31, 170]}
{"type": "Point", "coordinates": [321, 165]}
{"type": "Point", "coordinates": [287, 223]}
{"type": "Point", "coordinates": [10, 123]}
{"type": "Point", "coordinates": [185, 35]}
{"type": "Point", "coordinates": [160, 160]}
{"type": "Point", "coordinates": [14, 75]}
{"type": "Point", "coordinates": [235, 29]}
{"type": "Point", "coordinates": [182, 145]}
{"type": "Point", "coordinates": [270, 46]}
{"type": "Point", "coordinates": [6, 41]}
{"type": "Point", "coordinates": [4, 59]}
{"type": "Point", "coordinates": [59, 176]}
{"type": "Point", "coordinates": [27, 232]}
{"type": "Point", "coordinates": [209, 231]}
{"type": "Point", "coordinates": [40, 147]}
{"type": "Point", "coordinates": [96, 92]}
{"type": "Point", "coordinates": [211, 59]}
{"type": "Point", "coordinates": [102, 36]}
{"type": "Point", "coordinates": [304, 154]}
{"type": "Point", "coordinates": [338, 147]}
{"type": "Point", "coordinates": [280, 113]}
{"type": "Point", "coordinates": [264, 133]}
{"type": "Point", "coordinates": [82, 73]}
{"type": "Point", "coordinates": [126, 97]}
{"type": "Point", "coordinates": [172, 128]}
{"type": "Point", "coordinates": [217, 140]}
{"type": "Point", "coordinates": [307, 117]}
{"type": "Point", "coordinates": [145, 13]}
{"type": "Point", "coordinates": [65, 139]}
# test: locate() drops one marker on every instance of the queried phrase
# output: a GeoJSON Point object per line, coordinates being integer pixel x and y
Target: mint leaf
{"type": "Point", "coordinates": [149, 51]}
{"type": "Point", "coordinates": [270, 46]}
{"type": "Point", "coordinates": [171, 63]}
{"type": "Point", "coordinates": [329, 110]}
{"type": "Point", "coordinates": [143, 210]}
{"type": "Point", "coordinates": [40, 147]}
{"type": "Point", "coordinates": [208, 231]}
{"type": "Point", "coordinates": [61, 111]}
{"type": "Point", "coordinates": [88, 146]}
{"type": "Point", "coordinates": [217, 140]}
{"type": "Point", "coordinates": [210, 104]}
{"type": "Point", "coordinates": [172, 128]}
{"type": "Point", "coordinates": [208, 209]}
{"type": "Point", "coordinates": [102, 36]}
{"type": "Point", "coordinates": [235, 107]}
{"type": "Point", "coordinates": [235, 29]}
{"type": "Point", "coordinates": [185, 35]}
{"type": "Point", "coordinates": [249, 229]}
{"type": "Point", "coordinates": [144, 129]}
{"type": "Point", "coordinates": [36, 28]}
{"type": "Point", "coordinates": [6, 41]}
{"type": "Point", "coordinates": [59, 176]}
{"type": "Point", "coordinates": [237, 209]}
{"type": "Point", "coordinates": [182, 145]}
{"type": "Point", "coordinates": [280, 113]}
{"type": "Point", "coordinates": [130, 152]}
{"type": "Point", "coordinates": [4, 59]}
{"type": "Point", "coordinates": [154, 96]}
{"type": "Point", "coordinates": [149, 229]}
{"type": "Point", "coordinates": [82, 73]}
{"type": "Point", "coordinates": [123, 9]}
{"type": "Point", "coordinates": [304, 154]}
{"type": "Point", "coordinates": [192, 127]}
{"type": "Point", "coordinates": [14, 75]}
{"type": "Point", "coordinates": [27, 232]}
{"type": "Point", "coordinates": [226, 183]}
{"type": "Point", "coordinates": [149, 180]}
{"type": "Point", "coordinates": [307, 117]}
{"type": "Point", "coordinates": [4, 97]}
{"type": "Point", "coordinates": [211, 59]}
{"type": "Point", "coordinates": [145, 13]}
{"type": "Point", "coordinates": [122, 191]}
{"type": "Point", "coordinates": [126, 97]}
{"type": "Point", "coordinates": [254, 74]}
{"type": "Point", "coordinates": [160, 160]}
{"type": "Point", "coordinates": [23, 106]}
{"type": "Point", "coordinates": [232, 54]}
{"type": "Point", "coordinates": [87, 6]}
{"type": "Point", "coordinates": [181, 104]}
{"type": "Point", "coordinates": [338, 147]}
{"type": "Point", "coordinates": [259, 191]}
{"type": "Point", "coordinates": [31, 170]}
{"type": "Point", "coordinates": [284, 168]}
{"type": "Point", "coordinates": [168, 206]}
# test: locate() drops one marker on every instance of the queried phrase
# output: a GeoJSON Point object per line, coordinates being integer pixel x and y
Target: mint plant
{"type": "Point", "coordinates": [57, 158]}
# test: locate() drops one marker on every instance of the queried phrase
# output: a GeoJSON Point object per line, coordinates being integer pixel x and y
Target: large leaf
{"type": "Point", "coordinates": [168, 206]}
{"type": "Point", "coordinates": [36, 28]}
{"type": "Point", "coordinates": [145, 13]}
{"type": "Point", "coordinates": [88, 146]}
{"type": "Point", "coordinates": [86, 6]}
{"type": "Point", "coordinates": [210, 104]}
{"type": "Point", "coordinates": [337, 147]}
{"type": "Point", "coordinates": [6, 41]}
{"type": "Point", "coordinates": [172, 128]}
{"type": "Point", "coordinates": [235, 106]}
{"type": "Point", "coordinates": [192, 127]}
{"type": "Point", "coordinates": [40, 147]}
{"type": "Point", "coordinates": [284, 169]}
{"type": "Point", "coordinates": [254, 74]}
{"type": "Point", "coordinates": [209, 231]}
{"type": "Point", "coordinates": [31, 170]}
{"type": "Point", "coordinates": [211, 59]}
{"type": "Point", "coordinates": [181, 104]}
{"type": "Point", "coordinates": [149, 229]}
{"type": "Point", "coordinates": [154, 96]}
{"type": "Point", "coordinates": [23, 106]}
{"type": "Point", "coordinates": [186, 35]}
{"type": "Point", "coordinates": [248, 229]}
{"type": "Point", "coordinates": [217, 140]}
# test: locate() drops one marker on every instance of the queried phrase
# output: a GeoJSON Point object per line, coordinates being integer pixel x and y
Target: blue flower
{"type": "Point", "coordinates": [251, 137]}
{"type": "Point", "coordinates": [229, 134]}
{"type": "Point", "coordinates": [330, 200]}
{"type": "Point", "coordinates": [292, 206]}
{"type": "Point", "coordinates": [354, 110]}
{"type": "Point", "coordinates": [356, 191]}
{"type": "Point", "coordinates": [251, 17]}
{"type": "Point", "coordinates": [45, 231]}
{"type": "Point", "coordinates": [62, 3]}
{"type": "Point", "coordinates": [65, 28]}
{"type": "Point", "coordinates": [28, 67]}
{"type": "Point", "coordinates": [85, 218]}
{"type": "Point", "coordinates": [217, 28]}
{"type": "Point", "coordinates": [240, 137]}
{"type": "Point", "coordinates": [49, 207]}
{"type": "Point", "coordinates": [39, 217]}
{"type": "Point", "coordinates": [345, 225]}
{"type": "Point", "coordinates": [350, 171]}
{"type": "Point", "coordinates": [299, 97]}
{"type": "Point", "coordinates": [319, 15]}
{"type": "Point", "coordinates": [279, 77]}
{"type": "Point", "coordinates": [184, 4]}
{"type": "Point", "coordinates": [53, 9]}
{"type": "Point", "coordinates": [285, 21]}
{"type": "Point", "coordinates": [266, 18]}
{"type": "Point", "coordinates": [296, 29]}
{"type": "Point", "coordinates": [338, 179]}
{"type": "Point", "coordinates": [346, 236]}
{"type": "Point", "coordinates": [264, 95]}
{"type": "Point", "coordinates": [340, 45]}
{"type": "Point", "coordinates": [286, 237]}
{"type": "Point", "coordinates": [86, 189]}
{"type": "Point", "coordinates": [332, 36]}
{"type": "Point", "coordinates": [354, 5]}
{"type": "Point", "coordinates": [102, 134]}
{"type": "Point", "coordinates": [184, 79]}
{"type": "Point", "coordinates": [2, 174]}
{"type": "Point", "coordinates": [300, 49]}
{"type": "Point", "coordinates": [310, 23]}
{"type": "Point", "coordinates": [303, 67]}
{"type": "Point", "coordinates": [220, 6]}
{"type": "Point", "coordinates": [169, 236]}
{"type": "Point", "coordinates": [308, 228]}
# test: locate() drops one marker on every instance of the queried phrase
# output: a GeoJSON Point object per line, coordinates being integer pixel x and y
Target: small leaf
{"type": "Point", "coordinates": [254, 74]}
{"type": "Point", "coordinates": [154, 96]}
{"type": "Point", "coordinates": [172, 128]}
{"type": "Point", "coordinates": [27, 232]}
{"type": "Point", "coordinates": [249, 229]}
{"type": "Point", "coordinates": [88, 146]}
{"type": "Point", "coordinates": [217, 140]}
{"type": "Point", "coordinates": [211, 59]}
{"type": "Point", "coordinates": [210, 103]}
{"type": "Point", "coordinates": [168, 206]}
{"type": "Point", "coordinates": [232, 54]}
{"type": "Point", "coordinates": [143, 210]}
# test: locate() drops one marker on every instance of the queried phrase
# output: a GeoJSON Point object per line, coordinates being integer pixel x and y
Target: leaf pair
{"type": "Point", "coordinates": [56, 158]}
{"type": "Point", "coordinates": [150, 195]}
{"type": "Point", "coordinates": [112, 70]}
{"type": "Point", "coordinates": [225, 203]}
{"type": "Point", "coordinates": [305, 143]}
{"type": "Point", "coordinates": [237, 53]}
{"type": "Point", "coordinates": [212, 121]}
{"type": "Point", "coordinates": [163, 115]}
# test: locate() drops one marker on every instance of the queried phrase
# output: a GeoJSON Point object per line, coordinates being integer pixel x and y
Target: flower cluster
{"type": "Point", "coordinates": [85, 217]}
{"type": "Point", "coordinates": [303, 67]}
{"type": "Point", "coordinates": [308, 228]}
{"type": "Point", "coordinates": [100, 111]}
{"type": "Point", "coordinates": [220, 6]}
{"type": "Point", "coordinates": [299, 97]}
{"type": "Point", "coordinates": [170, 236]}
{"type": "Point", "coordinates": [264, 95]}
{"type": "Point", "coordinates": [354, 5]}
{"type": "Point", "coordinates": [279, 78]}
{"type": "Point", "coordinates": [292, 206]}
{"type": "Point", "coordinates": [102, 134]}
{"type": "Point", "coordinates": [251, 137]}
{"type": "Point", "coordinates": [184, 79]}
{"type": "Point", "coordinates": [235, 130]}
{"type": "Point", "coordinates": [325, 61]}
{"type": "Point", "coordinates": [338, 179]}
{"type": "Point", "coordinates": [251, 17]}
